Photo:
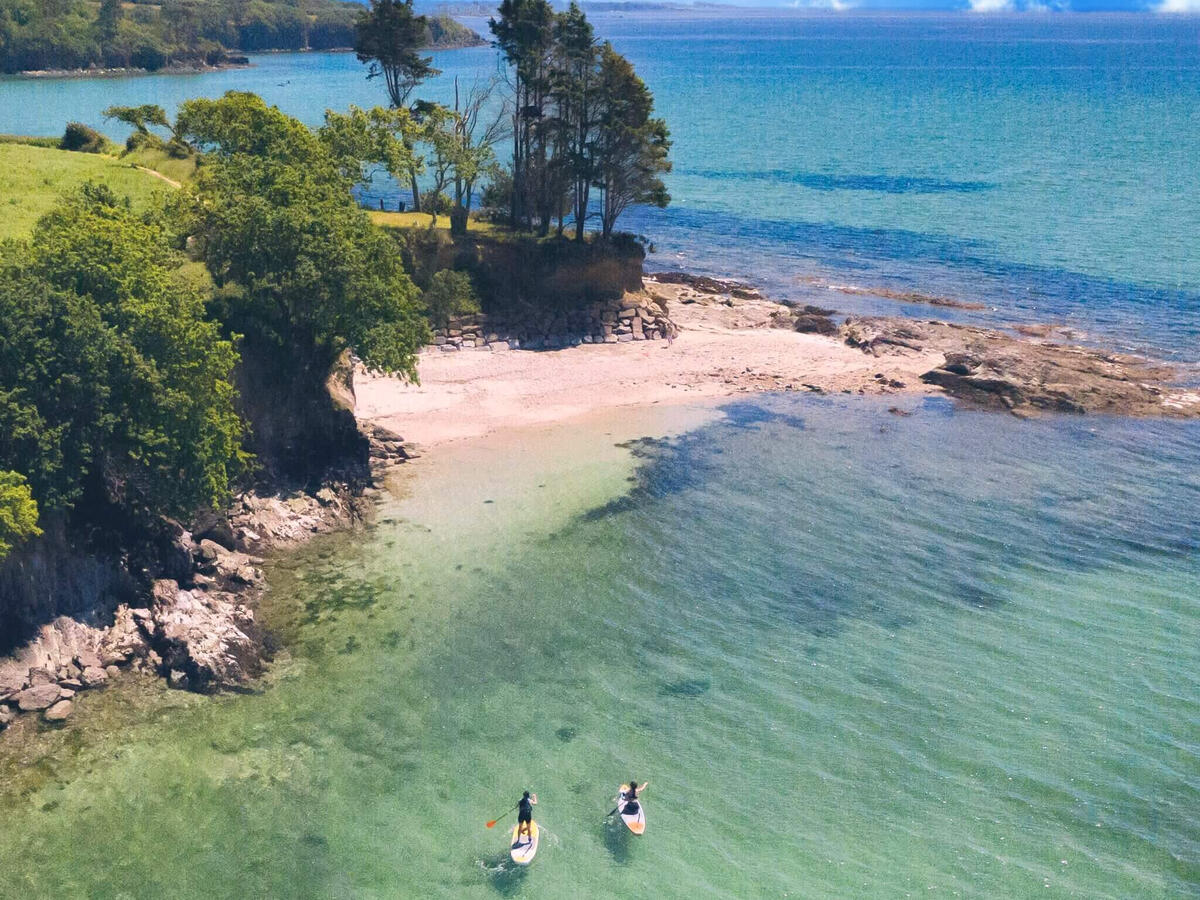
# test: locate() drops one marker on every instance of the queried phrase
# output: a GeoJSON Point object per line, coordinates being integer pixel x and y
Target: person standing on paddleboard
{"type": "Point", "coordinates": [631, 794]}
{"type": "Point", "coordinates": [525, 812]}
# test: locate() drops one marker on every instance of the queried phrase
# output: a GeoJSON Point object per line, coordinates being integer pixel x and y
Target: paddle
{"type": "Point", "coordinates": [492, 824]}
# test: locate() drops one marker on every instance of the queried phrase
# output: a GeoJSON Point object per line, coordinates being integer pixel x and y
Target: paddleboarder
{"type": "Point", "coordinates": [631, 795]}
{"type": "Point", "coordinates": [525, 812]}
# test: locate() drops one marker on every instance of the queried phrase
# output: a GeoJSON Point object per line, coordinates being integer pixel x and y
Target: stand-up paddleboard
{"type": "Point", "coordinates": [635, 819]}
{"type": "Point", "coordinates": [524, 847]}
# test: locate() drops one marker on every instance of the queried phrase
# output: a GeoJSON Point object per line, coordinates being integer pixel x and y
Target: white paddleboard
{"type": "Point", "coordinates": [524, 847]}
{"type": "Point", "coordinates": [634, 820]}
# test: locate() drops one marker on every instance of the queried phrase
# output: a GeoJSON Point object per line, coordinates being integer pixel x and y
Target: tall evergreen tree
{"type": "Point", "coordinates": [389, 37]}
{"type": "Point", "coordinates": [631, 144]}
{"type": "Point", "coordinates": [524, 36]}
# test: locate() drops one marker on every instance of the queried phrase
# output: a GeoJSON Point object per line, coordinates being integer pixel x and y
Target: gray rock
{"type": "Point", "coordinates": [178, 680]}
{"type": "Point", "coordinates": [93, 676]}
{"type": "Point", "coordinates": [112, 671]}
{"type": "Point", "coordinates": [71, 684]}
{"type": "Point", "coordinates": [88, 660]}
{"type": "Point", "coordinates": [59, 711]}
{"type": "Point", "coordinates": [41, 675]}
{"type": "Point", "coordinates": [6, 716]}
{"type": "Point", "coordinates": [40, 696]}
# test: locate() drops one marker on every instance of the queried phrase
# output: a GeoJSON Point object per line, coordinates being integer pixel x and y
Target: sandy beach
{"type": "Point", "coordinates": [722, 350]}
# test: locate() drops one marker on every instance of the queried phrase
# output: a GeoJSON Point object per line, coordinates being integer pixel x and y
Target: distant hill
{"type": "Point", "coordinates": [117, 34]}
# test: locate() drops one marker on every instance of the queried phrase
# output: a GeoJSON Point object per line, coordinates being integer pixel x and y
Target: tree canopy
{"type": "Point", "coordinates": [581, 119]}
{"type": "Point", "coordinates": [114, 384]}
{"type": "Point", "coordinates": [277, 226]}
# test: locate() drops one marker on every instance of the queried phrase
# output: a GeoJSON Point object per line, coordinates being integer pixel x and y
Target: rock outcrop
{"type": "Point", "coordinates": [992, 369]}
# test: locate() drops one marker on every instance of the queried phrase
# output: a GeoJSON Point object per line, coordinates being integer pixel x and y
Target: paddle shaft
{"type": "Point", "coordinates": [501, 816]}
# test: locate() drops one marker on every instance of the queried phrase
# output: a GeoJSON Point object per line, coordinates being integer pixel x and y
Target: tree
{"type": "Point", "coordinates": [18, 512]}
{"type": "Point", "coordinates": [360, 140]}
{"type": "Point", "coordinates": [475, 137]}
{"type": "Point", "coordinates": [114, 385]}
{"type": "Point", "coordinates": [523, 35]}
{"type": "Point", "coordinates": [108, 20]}
{"type": "Point", "coordinates": [574, 93]}
{"type": "Point", "coordinates": [139, 118]}
{"type": "Point", "coordinates": [303, 266]}
{"type": "Point", "coordinates": [631, 145]}
{"type": "Point", "coordinates": [388, 37]}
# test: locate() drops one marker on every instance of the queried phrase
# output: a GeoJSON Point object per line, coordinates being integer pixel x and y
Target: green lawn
{"type": "Point", "coordinates": [33, 178]}
{"type": "Point", "coordinates": [422, 220]}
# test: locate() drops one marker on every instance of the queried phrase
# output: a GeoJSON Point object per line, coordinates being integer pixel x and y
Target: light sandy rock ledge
{"type": "Point", "coordinates": [732, 340]}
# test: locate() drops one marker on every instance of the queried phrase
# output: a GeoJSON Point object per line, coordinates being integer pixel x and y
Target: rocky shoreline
{"type": "Point", "coordinates": [199, 632]}
{"type": "Point", "coordinates": [1032, 371]}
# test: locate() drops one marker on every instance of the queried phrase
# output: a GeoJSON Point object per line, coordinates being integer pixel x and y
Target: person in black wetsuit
{"type": "Point", "coordinates": [525, 813]}
{"type": "Point", "coordinates": [630, 806]}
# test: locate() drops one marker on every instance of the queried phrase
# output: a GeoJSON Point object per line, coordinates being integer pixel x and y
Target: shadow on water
{"type": "Point", "coordinates": [504, 875]}
{"type": "Point", "coordinates": [617, 840]}
{"type": "Point", "coordinates": [668, 467]}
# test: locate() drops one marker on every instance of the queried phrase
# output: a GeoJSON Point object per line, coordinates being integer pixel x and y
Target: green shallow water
{"type": "Point", "coordinates": [854, 654]}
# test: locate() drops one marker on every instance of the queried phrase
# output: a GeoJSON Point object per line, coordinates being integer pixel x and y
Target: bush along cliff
{"type": "Point", "coordinates": [154, 365]}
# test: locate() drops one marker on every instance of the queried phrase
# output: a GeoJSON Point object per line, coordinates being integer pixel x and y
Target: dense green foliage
{"type": "Point", "coordinates": [79, 138]}
{"type": "Point", "coordinates": [77, 34]}
{"type": "Point", "coordinates": [18, 511]}
{"type": "Point", "coordinates": [114, 385]}
{"type": "Point", "coordinates": [278, 227]}
{"type": "Point", "coordinates": [449, 294]}
{"type": "Point", "coordinates": [581, 118]}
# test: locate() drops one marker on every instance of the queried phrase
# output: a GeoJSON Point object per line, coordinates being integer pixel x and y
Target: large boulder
{"type": "Point", "coordinates": [59, 711]}
{"type": "Point", "coordinates": [207, 636]}
{"type": "Point", "coordinates": [40, 696]}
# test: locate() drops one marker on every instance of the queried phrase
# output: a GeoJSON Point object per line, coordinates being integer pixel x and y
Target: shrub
{"type": "Point", "coordinates": [148, 57]}
{"type": "Point", "coordinates": [18, 511]}
{"type": "Point", "coordinates": [81, 139]}
{"type": "Point", "coordinates": [450, 294]}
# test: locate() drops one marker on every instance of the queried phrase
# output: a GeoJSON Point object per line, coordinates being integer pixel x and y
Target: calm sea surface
{"type": "Point", "coordinates": [856, 654]}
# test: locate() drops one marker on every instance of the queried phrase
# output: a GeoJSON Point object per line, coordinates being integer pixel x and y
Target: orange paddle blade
{"type": "Point", "coordinates": [492, 823]}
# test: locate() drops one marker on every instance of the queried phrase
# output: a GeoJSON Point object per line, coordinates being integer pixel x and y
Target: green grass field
{"type": "Point", "coordinates": [33, 178]}
{"type": "Point", "coordinates": [422, 220]}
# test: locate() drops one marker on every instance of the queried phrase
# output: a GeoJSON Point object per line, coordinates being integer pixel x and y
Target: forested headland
{"type": "Point", "coordinates": [135, 34]}
{"type": "Point", "coordinates": [159, 356]}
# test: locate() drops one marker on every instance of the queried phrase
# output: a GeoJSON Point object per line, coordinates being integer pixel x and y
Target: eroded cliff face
{"type": "Point", "coordinates": [301, 417]}
{"type": "Point", "coordinates": [102, 591]}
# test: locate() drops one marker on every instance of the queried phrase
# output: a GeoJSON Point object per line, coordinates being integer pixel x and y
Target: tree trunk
{"type": "Point", "coordinates": [416, 191]}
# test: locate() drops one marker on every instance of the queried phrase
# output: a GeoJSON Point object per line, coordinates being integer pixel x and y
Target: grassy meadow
{"type": "Point", "coordinates": [32, 178]}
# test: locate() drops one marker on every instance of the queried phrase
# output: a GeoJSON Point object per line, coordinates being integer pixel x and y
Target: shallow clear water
{"type": "Point", "coordinates": [855, 655]}
{"type": "Point", "coordinates": [1046, 166]}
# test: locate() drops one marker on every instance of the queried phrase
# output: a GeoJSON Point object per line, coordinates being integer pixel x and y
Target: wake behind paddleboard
{"type": "Point", "coordinates": [524, 847]}
{"type": "Point", "coordinates": [635, 819]}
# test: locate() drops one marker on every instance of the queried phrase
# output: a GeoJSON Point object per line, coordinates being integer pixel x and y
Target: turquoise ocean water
{"type": "Point", "coordinates": [856, 654]}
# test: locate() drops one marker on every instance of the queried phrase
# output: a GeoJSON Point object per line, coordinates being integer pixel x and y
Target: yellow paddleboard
{"type": "Point", "coordinates": [635, 819]}
{"type": "Point", "coordinates": [524, 847]}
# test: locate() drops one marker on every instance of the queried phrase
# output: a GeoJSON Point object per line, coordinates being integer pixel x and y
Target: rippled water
{"type": "Point", "coordinates": [855, 654]}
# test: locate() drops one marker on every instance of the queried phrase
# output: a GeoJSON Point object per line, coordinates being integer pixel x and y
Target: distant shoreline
{"type": "Point", "coordinates": [241, 62]}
